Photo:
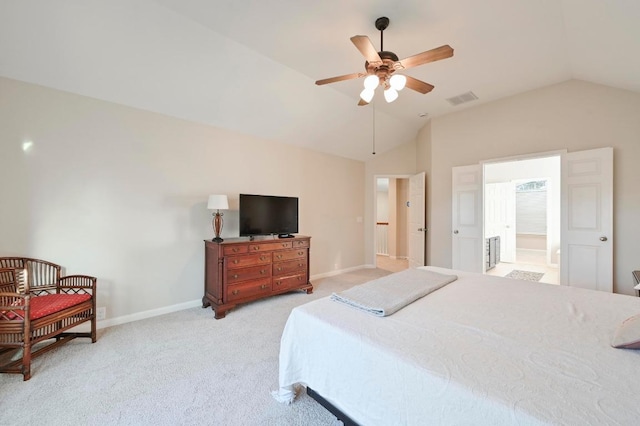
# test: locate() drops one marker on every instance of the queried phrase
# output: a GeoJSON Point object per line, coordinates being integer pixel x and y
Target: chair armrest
{"type": "Point", "coordinates": [78, 284]}
{"type": "Point", "coordinates": [14, 306]}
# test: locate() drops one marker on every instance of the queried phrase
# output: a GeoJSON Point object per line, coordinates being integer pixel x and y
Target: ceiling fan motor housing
{"type": "Point", "coordinates": [389, 65]}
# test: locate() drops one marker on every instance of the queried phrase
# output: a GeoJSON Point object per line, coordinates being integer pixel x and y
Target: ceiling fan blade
{"type": "Point", "coordinates": [365, 47]}
{"type": "Point", "coordinates": [340, 78]}
{"type": "Point", "coordinates": [362, 102]}
{"type": "Point", "coordinates": [418, 85]}
{"type": "Point", "coordinates": [432, 55]}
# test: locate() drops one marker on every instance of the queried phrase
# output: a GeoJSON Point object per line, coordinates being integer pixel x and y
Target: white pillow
{"type": "Point", "coordinates": [628, 334]}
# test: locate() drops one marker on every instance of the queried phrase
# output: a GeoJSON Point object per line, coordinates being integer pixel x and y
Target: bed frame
{"type": "Point", "coordinates": [346, 420]}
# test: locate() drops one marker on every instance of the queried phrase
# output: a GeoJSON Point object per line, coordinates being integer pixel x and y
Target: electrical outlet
{"type": "Point", "coordinates": [101, 313]}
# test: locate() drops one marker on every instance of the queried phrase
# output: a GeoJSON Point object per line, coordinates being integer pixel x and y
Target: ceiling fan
{"type": "Point", "coordinates": [381, 67]}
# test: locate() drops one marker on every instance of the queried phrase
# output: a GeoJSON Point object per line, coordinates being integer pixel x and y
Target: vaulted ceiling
{"type": "Point", "coordinates": [250, 66]}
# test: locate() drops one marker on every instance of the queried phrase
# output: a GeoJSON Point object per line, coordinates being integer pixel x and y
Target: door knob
{"type": "Point", "coordinates": [455, 232]}
{"type": "Point", "coordinates": [603, 238]}
{"type": "Point", "coordinates": [422, 229]}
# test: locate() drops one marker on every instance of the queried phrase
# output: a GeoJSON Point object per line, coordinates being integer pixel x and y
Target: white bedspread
{"type": "Point", "coordinates": [481, 350]}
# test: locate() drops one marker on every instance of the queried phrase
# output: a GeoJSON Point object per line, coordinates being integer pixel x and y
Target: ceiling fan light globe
{"type": "Point", "coordinates": [371, 82]}
{"type": "Point", "coordinates": [390, 94]}
{"type": "Point", "coordinates": [398, 81]}
{"type": "Point", "coordinates": [367, 94]}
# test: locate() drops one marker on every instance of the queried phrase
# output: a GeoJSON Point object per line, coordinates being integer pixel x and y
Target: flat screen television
{"type": "Point", "coordinates": [268, 214]}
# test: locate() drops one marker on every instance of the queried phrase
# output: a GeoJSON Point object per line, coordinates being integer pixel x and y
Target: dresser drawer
{"type": "Point", "coordinates": [261, 287]}
{"type": "Point", "coordinates": [292, 266]}
{"type": "Point", "coordinates": [235, 249]}
{"type": "Point", "coordinates": [300, 243]}
{"type": "Point", "coordinates": [245, 274]}
{"type": "Point", "coordinates": [233, 262]}
{"type": "Point", "coordinates": [279, 245]}
{"type": "Point", "coordinates": [289, 254]}
{"type": "Point", "coordinates": [292, 281]}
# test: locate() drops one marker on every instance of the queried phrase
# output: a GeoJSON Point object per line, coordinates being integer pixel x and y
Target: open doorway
{"type": "Point", "coordinates": [391, 234]}
{"type": "Point", "coordinates": [522, 219]}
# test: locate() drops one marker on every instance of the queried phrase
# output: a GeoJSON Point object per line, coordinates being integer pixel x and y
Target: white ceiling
{"type": "Point", "coordinates": [250, 66]}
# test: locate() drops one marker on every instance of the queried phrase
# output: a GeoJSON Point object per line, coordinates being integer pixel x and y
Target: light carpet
{"type": "Point", "coordinates": [175, 369]}
{"type": "Point", "coordinates": [525, 275]}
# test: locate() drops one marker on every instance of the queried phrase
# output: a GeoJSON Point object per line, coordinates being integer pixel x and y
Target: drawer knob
{"type": "Point", "coordinates": [284, 244]}
{"type": "Point", "coordinates": [263, 286]}
{"type": "Point", "coordinates": [235, 275]}
{"type": "Point", "coordinates": [299, 278]}
{"type": "Point", "coordinates": [235, 292]}
{"type": "Point", "coordinates": [300, 265]}
{"type": "Point", "coordinates": [236, 261]}
{"type": "Point", "coordinates": [277, 282]}
{"type": "Point", "coordinates": [256, 248]}
{"type": "Point", "coordinates": [234, 250]}
{"type": "Point", "coordinates": [279, 256]}
{"type": "Point", "coordinates": [262, 271]}
{"type": "Point", "coordinates": [262, 258]}
{"type": "Point", "coordinates": [279, 269]}
{"type": "Point", "coordinates": [300, 253]}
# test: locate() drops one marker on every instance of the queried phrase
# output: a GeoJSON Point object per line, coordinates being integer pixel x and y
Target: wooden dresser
{"type": "Point", "coordinates": [238, 270]}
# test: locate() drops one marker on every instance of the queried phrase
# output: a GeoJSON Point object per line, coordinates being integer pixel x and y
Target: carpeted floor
{"type": "Point", "coordinates": [176, 369]}
{"type": "Point", "coordinates": [524, 275]}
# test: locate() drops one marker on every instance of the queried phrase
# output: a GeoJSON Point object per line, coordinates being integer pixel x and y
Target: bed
{"type": "Point", "coordinates": [480, 350]}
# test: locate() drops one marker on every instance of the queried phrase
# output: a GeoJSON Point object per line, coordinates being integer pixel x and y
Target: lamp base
{"type": "Point", "coordinates": [217, 240]}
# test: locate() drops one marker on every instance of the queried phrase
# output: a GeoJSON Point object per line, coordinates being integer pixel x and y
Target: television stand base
{"type": "Point", "coordinates": [285, 236]}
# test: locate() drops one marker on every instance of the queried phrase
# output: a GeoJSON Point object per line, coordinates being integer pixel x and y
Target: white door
{"type": "Point", "coordinates": [586, 255]}
{"type": "Point", "coordinates": [417, 222]}
{"type": "Point", "coordinates": [500, 217]}
{"type": "Point", "coordinates": [467, 236]}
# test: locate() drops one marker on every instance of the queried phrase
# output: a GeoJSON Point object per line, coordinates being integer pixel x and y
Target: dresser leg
{"type": "Point", "coordinates": [219, 313]}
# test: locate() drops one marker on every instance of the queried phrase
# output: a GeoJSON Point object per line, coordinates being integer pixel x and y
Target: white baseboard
{"type": "Point", "coordinates": [338, 272]}
{"type": "Point", "coordinates": [148, 314]}
{"type": "Point", "coordinates": [192, 304]}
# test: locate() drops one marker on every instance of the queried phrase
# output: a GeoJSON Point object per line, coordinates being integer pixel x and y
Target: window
{"type": "Point", "coordinates": [531, 207]}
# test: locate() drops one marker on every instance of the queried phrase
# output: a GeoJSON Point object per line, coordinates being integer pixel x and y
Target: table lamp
{"type": "Point", "coordinates": [217, 203]}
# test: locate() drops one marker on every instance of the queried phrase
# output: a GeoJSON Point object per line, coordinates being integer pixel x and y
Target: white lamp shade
{"type": "Point", "coordinates": [367, 95]}
{"type": "Point", "coordinates": [390, 94]}
{"type": "Point", "coordinates": [398, 81]}
{"type": "Point", "coordinates": [218, 202]}
{"type": "Point", "coordinates": [371, 82]}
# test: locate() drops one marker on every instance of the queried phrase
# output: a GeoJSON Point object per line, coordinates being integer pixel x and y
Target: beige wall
{"type": "Point", "coordinates": [121, 193]}
{"type": "Point", "coordinates": [574, 115]}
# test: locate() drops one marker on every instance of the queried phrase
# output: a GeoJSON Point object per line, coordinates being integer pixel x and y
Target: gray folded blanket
{"type": "Point", "coordinates": [386, 295]}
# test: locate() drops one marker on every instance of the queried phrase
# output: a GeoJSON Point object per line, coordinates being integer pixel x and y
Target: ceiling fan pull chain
{"type": "Point", "coordinates": [373, 108]}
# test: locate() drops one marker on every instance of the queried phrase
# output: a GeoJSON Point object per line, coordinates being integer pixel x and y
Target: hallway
{"type": "Point", "coordinates": [389, 264]}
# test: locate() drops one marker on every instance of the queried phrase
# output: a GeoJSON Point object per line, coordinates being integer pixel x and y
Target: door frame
{"type": "Point", "coordinates": [375, 210]}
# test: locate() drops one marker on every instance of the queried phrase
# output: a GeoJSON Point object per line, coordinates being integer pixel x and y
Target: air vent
{"type": "Point", "coordinates": [463, 98]}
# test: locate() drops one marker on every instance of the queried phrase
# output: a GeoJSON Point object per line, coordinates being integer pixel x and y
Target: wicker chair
{"type": "Point", "coordinates": [37, 305]}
